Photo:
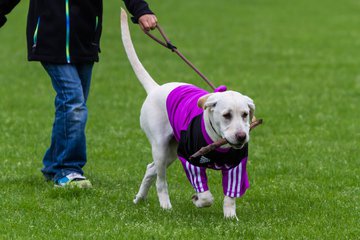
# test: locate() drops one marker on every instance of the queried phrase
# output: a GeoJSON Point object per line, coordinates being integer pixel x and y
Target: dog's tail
{"type": "Point", "coordinates": [141, 73]}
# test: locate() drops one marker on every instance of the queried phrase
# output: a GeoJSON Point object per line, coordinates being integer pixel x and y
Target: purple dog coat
{"type": "Point", "coordinates": [186, 119]}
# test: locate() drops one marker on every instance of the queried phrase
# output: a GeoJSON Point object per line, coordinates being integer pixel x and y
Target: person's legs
{"type": "Point", "coordinates": [67, 153]}
{"type": "Point", "coordinates": [85, 73]}
{"type": "Point", "coordinates": [49, 157]}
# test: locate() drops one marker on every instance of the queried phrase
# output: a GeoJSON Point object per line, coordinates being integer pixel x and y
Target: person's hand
{"type": "Point", "coordinates": [147, 22]}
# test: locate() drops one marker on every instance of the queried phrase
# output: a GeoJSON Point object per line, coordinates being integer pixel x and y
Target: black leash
{"type": "Point", "coordinates": [169, 45]}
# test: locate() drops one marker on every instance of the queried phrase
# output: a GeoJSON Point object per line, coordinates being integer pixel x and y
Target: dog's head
{"type": "Point", "coordinates": [229, 114]}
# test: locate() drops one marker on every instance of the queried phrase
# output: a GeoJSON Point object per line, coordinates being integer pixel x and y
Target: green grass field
{"type": "Point", "coordinates": [299, 61]}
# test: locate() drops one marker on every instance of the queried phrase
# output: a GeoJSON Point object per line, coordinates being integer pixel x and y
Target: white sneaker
{"type": "Point", "coordinates": [73, 180]}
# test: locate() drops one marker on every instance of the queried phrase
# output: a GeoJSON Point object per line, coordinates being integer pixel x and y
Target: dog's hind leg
{"type": "Point", "coordinates": [146, 183]}
{"type": "Point", "coordinates": [155, 123]}
{"type": "Point", "coordinates": [163, 155]}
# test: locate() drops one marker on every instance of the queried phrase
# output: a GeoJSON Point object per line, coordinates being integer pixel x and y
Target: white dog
{"type": "Point", "coordinates": [174, 126]}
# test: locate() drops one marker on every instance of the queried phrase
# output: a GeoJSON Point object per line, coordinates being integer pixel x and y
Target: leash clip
{"type": "Point", "coordinates": [170, 46]}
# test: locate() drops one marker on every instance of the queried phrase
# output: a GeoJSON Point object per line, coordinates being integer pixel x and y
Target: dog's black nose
{"type": "Point", "coordinates": [240, 136]}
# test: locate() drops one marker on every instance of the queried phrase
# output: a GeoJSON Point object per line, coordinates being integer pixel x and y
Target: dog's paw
{"type": "Point", "coordinates": [166, 205]}
{"type": "Point", "coordinates": [164, 201]}
{"type": "Point", "coordinates": [230, 213]}
{"type": "Point", "coordinates": [204, 199]}
{"type": "Point", "coordinates": [230, 208]}
{"type": "Point", "coordinates": [137, 199]}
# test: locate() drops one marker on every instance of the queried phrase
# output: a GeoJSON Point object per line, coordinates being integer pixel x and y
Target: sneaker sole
{"type": "Point", "coordinates": [76, 184]}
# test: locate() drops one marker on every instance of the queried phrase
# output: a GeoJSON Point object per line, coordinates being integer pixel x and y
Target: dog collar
{"type": "Point", "coordinates": [212, 127]}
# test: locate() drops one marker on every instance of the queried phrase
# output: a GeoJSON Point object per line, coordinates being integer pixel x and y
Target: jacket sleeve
{"type": "Point", "coordinates": [137, 8]}
{"type": "Point", "coordinates": [5, 7]}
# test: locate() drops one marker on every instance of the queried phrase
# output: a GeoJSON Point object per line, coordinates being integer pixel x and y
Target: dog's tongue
{"type": "Point", "coordinates": [221, 88]}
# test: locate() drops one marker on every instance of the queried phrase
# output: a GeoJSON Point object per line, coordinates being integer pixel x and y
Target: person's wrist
{"type": "Point", "coordinates": [139, 14]}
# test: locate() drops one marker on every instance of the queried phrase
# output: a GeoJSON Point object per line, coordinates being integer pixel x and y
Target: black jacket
{"type": "Point", "coordinates": [67, 31]}
{"type": "Point", "coordinates": [192, 140]}
{"type": "Point", "coordinates": [5, 7]}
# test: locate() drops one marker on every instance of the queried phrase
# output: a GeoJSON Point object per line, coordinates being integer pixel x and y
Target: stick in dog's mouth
{"type": "Point", "coordinates": [223, 141]}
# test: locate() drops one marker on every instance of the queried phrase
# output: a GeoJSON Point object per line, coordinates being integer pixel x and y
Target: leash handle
{"type": "Point", "coordinates": [155, 38]}
{"type": "Point", "coordinates": [170, 46]}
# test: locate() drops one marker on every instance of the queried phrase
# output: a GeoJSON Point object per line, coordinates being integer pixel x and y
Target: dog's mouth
{"type": "Point", "coordinates": [237, 145]}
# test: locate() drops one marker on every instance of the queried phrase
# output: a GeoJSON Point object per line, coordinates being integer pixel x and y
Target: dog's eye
{"type": "Point", "coordinates": [244, 115]}
{"type": "Point", "coordinates": [227, 116]}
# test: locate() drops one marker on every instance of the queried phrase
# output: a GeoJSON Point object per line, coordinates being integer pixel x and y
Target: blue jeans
{"type": "Point", "coordinates": [67, 152]}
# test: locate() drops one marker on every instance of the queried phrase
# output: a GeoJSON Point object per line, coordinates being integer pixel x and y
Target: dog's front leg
{"type": "Point", "coordinates": [230, 208]}
{"type": "Point", "coordinates": [203, 199]}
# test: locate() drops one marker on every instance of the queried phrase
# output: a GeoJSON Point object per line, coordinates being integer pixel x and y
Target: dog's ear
{"type": "Point", "coordinates": [251, 105]}
{"type": "Point", "coordinates": [202, 102]}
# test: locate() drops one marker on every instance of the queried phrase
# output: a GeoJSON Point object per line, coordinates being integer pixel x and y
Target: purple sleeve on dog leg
{"type": "Point", "coordinates": [221, 88]}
